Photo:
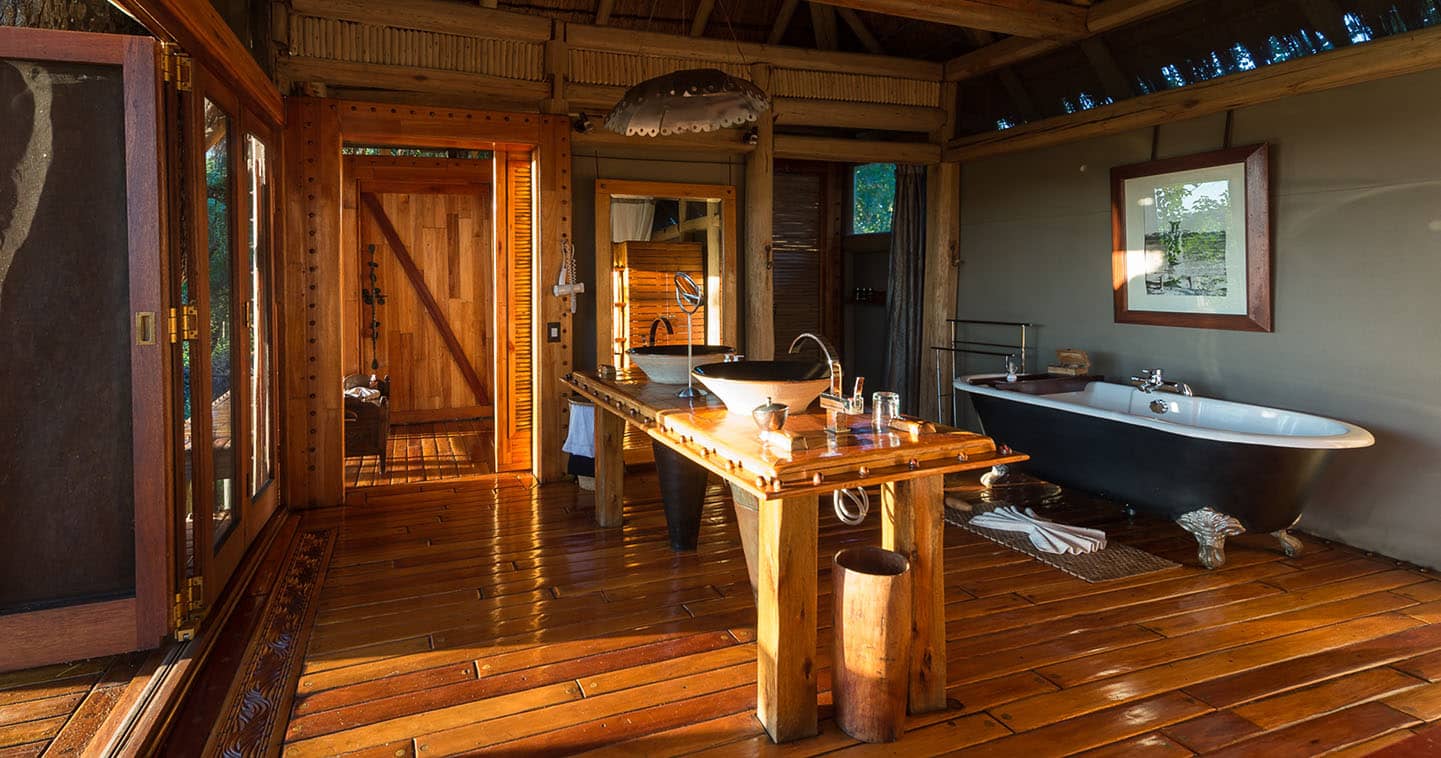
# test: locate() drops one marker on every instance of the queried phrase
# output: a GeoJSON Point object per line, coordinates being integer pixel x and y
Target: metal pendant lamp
{"type": "Point", "coordinates": [693, 100]}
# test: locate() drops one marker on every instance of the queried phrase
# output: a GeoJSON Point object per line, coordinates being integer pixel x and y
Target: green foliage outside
{"type": "Point", "coordinates": [875, 198]}
{"type": "Point", "coordinates": [217, 218]}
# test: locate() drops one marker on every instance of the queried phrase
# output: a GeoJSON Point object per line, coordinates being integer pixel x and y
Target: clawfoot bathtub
{"type": "Point", "coordinates": [1216, 467]}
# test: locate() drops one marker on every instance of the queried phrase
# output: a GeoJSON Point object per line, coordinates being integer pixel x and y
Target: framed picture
{"type": "Point", "coordinates": [1191, 241]}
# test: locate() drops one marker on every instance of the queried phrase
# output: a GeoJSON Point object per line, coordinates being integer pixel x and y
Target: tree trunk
{"type": "Point", "coordinates": [72, 15]}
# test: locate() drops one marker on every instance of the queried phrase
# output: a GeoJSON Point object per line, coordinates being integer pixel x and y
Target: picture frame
{"type": "Point", "coordinates": [1191, 240]}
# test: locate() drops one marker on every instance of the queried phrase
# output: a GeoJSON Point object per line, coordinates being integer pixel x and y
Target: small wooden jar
{"type": "Point", "coordinates": [872, 647]}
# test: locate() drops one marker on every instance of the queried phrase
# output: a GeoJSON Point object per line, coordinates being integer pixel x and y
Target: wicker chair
{"type": "Point", "coordinates": [367, 422]}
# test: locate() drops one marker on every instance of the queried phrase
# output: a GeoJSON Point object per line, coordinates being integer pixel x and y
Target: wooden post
{"type": "Point", "coordinates": [557, 70]}
{"type": "Point", "coordinates": [553, 359]}
{"type": "Point", "coordinates": [786, 618]}
{"type": "Point", "coordinates": [943, 260]}
{"type": "Point", "coordinates": [609, 467]}
{"type": "Point", "coordinates": [912, 525]}
{"type": "Point", "coordinates": [760, 189]}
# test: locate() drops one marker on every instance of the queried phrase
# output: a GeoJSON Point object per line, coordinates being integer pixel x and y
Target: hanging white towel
{"type": "Point", "coordinates": [1047, 536]}
{"type": "Point", "coordinates": [581, 438]}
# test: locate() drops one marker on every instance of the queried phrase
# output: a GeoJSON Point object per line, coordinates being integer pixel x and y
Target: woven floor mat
{"type": "Point", "coordinates": [1116, 561]}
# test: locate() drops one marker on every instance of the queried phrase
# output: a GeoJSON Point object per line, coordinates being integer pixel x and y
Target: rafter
{"type": "Point", "coordinates": [702, 17]}
{"type": "Point", "coordinates": [1101, 18]}
{"type": "Point", "coordinates": [823, 23]}
{"type": "Point", "coordinates": [1025, 18]}
{"type": "Point", "coordinates": [862, 32]}
{"type": "Point", "coordinates": [1392, 56]}
{"type": "Point", "coordinates": [602, 12]}
{"type": "Point", "coordinates": [783, 20]}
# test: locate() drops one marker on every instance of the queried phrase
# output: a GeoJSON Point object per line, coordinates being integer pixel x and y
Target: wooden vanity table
{"type": "Point", "coordinates": [778, 495]}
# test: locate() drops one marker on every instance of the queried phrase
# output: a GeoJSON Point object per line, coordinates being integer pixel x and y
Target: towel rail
{"type": "Point", "coordinates": [961, 346]}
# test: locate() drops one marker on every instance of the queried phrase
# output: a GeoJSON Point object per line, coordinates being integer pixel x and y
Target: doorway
{"type": "Point", "coordinates": [427, 310]}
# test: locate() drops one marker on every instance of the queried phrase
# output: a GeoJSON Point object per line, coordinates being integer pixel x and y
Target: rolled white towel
{"type": "Point", "coordinates": [1047, 536]}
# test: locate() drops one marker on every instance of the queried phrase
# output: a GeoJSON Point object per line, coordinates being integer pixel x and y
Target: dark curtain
{"type": "Point", "coordinates": [905, 292]}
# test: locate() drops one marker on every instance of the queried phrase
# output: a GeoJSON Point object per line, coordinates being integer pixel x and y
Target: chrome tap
{"type": "Point", "coordinates": [1151, 380]}
{"type": "Point", "coordinates": [669, 329]}
{"type": "Point", "coordinates": [834, 400]}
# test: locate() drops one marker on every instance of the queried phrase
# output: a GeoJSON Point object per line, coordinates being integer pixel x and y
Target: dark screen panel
{"type": "Point", "coordinates": [66, 487]}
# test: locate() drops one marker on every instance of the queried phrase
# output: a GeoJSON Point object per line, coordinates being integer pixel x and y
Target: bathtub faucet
{"type": "Point", "coordinates": [1151, 380]}
{"type": "Point", "coordinates": [834, 400]}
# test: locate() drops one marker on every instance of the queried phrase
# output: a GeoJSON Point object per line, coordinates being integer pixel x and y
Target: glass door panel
{"type": "Point", "coordinates": [257, 314]}
{"type": "Point", "coordinates": [220, 253]}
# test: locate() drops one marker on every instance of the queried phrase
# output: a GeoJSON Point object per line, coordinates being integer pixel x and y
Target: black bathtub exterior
{"type": "Point", "coordinates": [1165, 474]}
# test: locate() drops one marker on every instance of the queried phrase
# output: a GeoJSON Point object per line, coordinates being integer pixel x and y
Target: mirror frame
{"type": "Point", "coordinates": [605, 191]}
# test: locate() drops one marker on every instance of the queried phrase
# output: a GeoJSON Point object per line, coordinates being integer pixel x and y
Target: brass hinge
{"type": "Point", "coordinates": [183, 323]}
{"type": "Point", "coordinates": [175, 67]}
{"type": "Point", "coordinates": [189, 608]}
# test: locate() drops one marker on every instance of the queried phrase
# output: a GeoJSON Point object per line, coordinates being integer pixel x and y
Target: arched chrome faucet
{"type": "Point", "coordinates": [654, 325]}
{"type": "Point", "coordinates": [834, 400]}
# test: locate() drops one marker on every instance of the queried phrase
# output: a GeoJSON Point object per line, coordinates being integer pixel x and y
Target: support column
{"type": "Point", "coordinates": [760, 189]}
{"type": "Point", "coordinates": [943, 260]}
{"type": "Point", "coordinates": [911, 524]}
{"type": "Point", "coordinates": [609, 467]}
{"type": "Point", "coordinates": [786, 618]}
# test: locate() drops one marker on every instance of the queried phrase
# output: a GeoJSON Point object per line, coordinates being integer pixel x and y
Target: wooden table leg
{"type": "Point", "coordinates": [609, 467]}
{"type": "Point", "coordinates": [912, 525]}
{"type": "Point", "coordinates": [786, 618]}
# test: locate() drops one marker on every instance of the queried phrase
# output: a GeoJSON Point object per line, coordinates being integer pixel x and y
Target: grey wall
{"type": "Point", "coordinates": [587, 165]}
{"type": "Point", "coordinates": [1356, 216]}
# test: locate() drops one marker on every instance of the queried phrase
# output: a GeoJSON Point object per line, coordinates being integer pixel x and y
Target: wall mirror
{"type": "Point", "coordinates": [644, 233]}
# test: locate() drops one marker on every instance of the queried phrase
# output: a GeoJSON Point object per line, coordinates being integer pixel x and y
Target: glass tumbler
{"type": "Point", "coordinates": [886, 406]}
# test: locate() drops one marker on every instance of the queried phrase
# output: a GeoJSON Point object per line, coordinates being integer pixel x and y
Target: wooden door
{"type": "Point", "coordinates": [430, 329]}
{"type": "Point", "coordinates": [82, 489]}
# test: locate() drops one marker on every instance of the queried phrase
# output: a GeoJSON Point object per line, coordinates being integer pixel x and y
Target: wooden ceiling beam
{"type": "Point", "coordinates": [1026, 18]}
{"type": "Point", "coordinates": [862, 32]}
{"type": "Point", "coordinates": [1379, 59]}
{"type": "Point", "coordinates": [602, 12]}
{"type": "Point", "coordinates": [823, 23]}
{"type": "Point", "coordinates": [1100, 18]}
{"type": "Point", "coordinates": [783, 20]}
{"type": "Point", "coordinates": [702, 17]}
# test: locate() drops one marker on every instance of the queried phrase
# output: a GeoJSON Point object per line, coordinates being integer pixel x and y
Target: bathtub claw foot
{"type": "Point", "coordinates": [1210, 527]}
{"type": "Point", "coordinates": [1289, 544]}
{"type": "Point", "coordinates": [996, 474]}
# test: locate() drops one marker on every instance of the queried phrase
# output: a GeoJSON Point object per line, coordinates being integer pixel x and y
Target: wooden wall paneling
{"type": "Point", "coordinates": [554, 358]}
{"type": "Point", "coordinates": [311, 340]}
{"type": "Point", "coordinates": [418, 126]}
{"type": "Point", "coordinates": [760, 189]}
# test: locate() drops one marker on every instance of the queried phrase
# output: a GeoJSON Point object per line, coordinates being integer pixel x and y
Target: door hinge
{"type": "Point", "coordinates": [175, 67]}
{"type": "Point", "coordinates": [183, 323]}
{"type": "Point", "coordinates": [189, 608]}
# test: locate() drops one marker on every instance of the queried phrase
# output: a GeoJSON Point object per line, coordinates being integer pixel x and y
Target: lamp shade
{"type": "Point", "coordinates": [693, 100]}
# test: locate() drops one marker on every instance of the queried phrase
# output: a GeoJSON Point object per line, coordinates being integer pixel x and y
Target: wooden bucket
{"type": "Point", "coordinates": [870, 659]}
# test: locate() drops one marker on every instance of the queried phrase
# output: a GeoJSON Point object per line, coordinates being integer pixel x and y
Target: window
{"type": "Point", "coordinates": [873, 192]}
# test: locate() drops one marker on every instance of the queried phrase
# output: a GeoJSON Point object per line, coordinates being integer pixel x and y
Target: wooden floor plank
{"type": "Point", "coordinates": [495, 616]}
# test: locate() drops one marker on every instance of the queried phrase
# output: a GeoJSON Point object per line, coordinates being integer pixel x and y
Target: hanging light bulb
{"type": "Point", "coordinates": [693, 100]}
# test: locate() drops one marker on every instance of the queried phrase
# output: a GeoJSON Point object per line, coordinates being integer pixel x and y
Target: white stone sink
{"type": "Point", "coordinates": [744, 385]}
{"type": "Point", "coordinates": [666, 364]}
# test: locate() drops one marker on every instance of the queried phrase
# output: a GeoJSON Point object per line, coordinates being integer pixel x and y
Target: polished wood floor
{"type": "Point", "coordinates": [428, 452]}
{"type": "Point", "coordinates": [499, 618]}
